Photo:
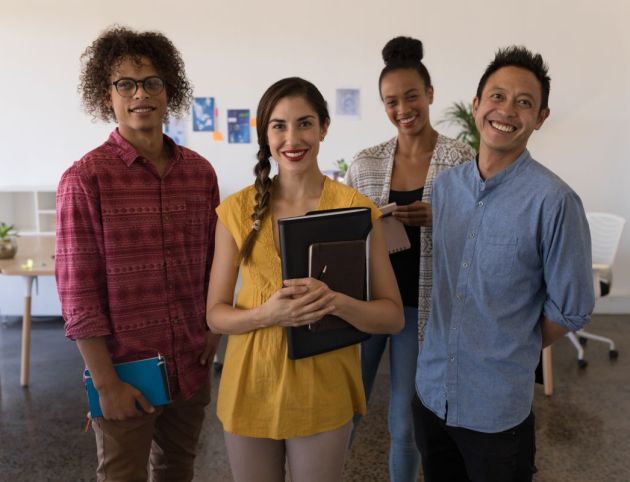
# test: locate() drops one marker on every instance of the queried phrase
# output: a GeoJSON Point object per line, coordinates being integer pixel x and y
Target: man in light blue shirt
{"type": "Point", "coordinates": [511, 274]}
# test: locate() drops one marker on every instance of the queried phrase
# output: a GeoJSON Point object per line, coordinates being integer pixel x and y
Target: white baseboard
{"type": "Point", "coordinates": [613, 305]}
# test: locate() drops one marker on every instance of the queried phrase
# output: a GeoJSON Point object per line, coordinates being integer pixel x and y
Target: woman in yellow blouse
{"type": "Point", "coordinates": [274, 409]}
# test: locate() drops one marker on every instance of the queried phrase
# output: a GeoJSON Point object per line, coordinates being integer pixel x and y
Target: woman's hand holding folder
{"type": "Point", "coordinates": [415, 214]}
{"type": "Point", "coordinates": [301, 301]}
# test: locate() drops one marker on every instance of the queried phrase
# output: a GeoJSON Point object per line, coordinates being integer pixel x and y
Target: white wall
{"type": "Point", "coordinates": [234, 50]}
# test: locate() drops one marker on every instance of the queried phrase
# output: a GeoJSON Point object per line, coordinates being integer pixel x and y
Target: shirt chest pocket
{"type": "Point", "coordinates": [497, 254]}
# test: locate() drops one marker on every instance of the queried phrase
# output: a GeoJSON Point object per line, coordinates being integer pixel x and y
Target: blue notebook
{"type": "Point", "coordinates": [148, 375]}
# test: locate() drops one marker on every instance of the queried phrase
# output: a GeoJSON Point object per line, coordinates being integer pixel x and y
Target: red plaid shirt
{"type": "Point", "coordinates": [133, 255]}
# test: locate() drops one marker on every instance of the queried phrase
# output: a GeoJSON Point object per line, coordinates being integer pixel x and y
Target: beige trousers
{"type": "Point", "coordinates": [166, 438]}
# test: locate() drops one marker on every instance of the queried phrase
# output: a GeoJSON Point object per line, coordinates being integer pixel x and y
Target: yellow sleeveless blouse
{"type": "Point", "coordinates": [262, 393]}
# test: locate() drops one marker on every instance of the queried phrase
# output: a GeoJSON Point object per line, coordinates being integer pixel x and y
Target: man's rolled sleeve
{"type": "Point", "coordinates": [568, 265]}
{"type": "Point", "coordinates": [80, 259]}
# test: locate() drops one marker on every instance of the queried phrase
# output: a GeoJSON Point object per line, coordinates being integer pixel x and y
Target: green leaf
{"type": "Point", "coordinates": [460, 114]}
{"type": "Point", "coordinates": [7, 230]}
{"type": "Point", "coordinates": [342, 165]}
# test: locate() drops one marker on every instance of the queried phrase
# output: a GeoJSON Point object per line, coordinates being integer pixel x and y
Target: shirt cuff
{"type": "Point", "coordinates": [570, 322]}
{"type": "Point", "coordinates": [92, 328]}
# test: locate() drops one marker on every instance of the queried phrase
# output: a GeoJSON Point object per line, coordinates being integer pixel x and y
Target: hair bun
{"type": "Point", "coordinates": [402, 49]}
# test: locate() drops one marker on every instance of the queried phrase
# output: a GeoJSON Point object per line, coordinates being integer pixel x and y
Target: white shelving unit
{"type": "Point", "coordinates": [30, 209]}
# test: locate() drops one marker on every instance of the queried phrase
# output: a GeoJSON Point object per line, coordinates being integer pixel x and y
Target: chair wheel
{"type": "Point", "coordinates": [613, 354]}
{"type": "Point", "coordinates": [582, 363]}
{"type": "Point", "coordinates": [218, 367]}
{"type": "Point", "coordinates": [582, 340]}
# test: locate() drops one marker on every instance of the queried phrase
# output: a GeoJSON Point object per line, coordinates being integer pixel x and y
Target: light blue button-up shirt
{"type": "Point", "coordinates": [505, 252]}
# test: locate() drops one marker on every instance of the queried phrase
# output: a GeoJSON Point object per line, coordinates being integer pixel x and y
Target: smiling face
{"type": "Point", "coordinates": [508, 112]}
{"type": "Point", "coordinates": [141, 112]}
{"type": "Point", "coordinates": [294, 133]}
{"type": "Point", "coordinates": [406, 100]}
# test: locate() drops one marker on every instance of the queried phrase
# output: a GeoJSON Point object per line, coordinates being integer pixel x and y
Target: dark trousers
{"type": "Point", "coordinates": [452, 454]}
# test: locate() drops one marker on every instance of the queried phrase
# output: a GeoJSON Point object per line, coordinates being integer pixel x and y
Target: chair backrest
{"type": "Point", "coordinates": [606, 232]}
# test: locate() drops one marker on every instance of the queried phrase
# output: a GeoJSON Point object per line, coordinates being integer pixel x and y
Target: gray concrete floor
{"type": "Point", "coordinates": [583, 431]}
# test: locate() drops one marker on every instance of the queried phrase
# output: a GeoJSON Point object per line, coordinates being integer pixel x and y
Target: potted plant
{"type": "Point", "coordinates": [339, 173]}
{"type": "Point", "coordinates": [8, 241]}
{"type": "Point", "coordinates": [460, 114]}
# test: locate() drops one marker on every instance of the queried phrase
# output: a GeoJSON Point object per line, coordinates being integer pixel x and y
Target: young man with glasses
{"type": "Point", "coordinates": [511, 274]}
{"type": "Point", "coordinates": [135, 240]}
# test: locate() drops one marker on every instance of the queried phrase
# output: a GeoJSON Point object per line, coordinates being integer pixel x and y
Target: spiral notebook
{"type": "Point", "coordinates": [148, 375]}
{"type": "Point", "coordinates": [394, 231]}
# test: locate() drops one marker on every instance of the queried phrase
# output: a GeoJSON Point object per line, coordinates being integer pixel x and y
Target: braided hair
{"type": "Point", "coordinates": [289, 87]}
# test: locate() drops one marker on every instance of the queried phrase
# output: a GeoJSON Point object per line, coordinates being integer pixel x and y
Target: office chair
{"type": "Point", "coordinates": [605, 236]}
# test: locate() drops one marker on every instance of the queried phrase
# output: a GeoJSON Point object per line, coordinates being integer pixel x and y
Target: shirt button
{"type": "Point", "coordinates": [454, 328]}
{"type": "Point", "coordinates": [472, 235]}
{"type": "Point", "coordinates": [480, 204]}
{"type": "Point", "coordinates": [465, 264]}
{"type": "Point", "coordinates": [452, 358]}
{"type": "Point", "coordinates": [459, 296]}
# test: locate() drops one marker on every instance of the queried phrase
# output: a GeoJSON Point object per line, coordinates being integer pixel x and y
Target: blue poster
{"type": "Point", "coordinates": [203, 114]}
{"type": "Point", "coordinates": [176, 130]}
{"type": "Point", "coordinates": [348, 102]}
{"type": "Point", "coordinates": [238, 126]}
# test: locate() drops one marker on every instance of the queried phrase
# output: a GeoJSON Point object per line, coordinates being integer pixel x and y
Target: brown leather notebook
{"type": "Point", "coordinates": [394, 231]}
{"type": "Point", "coordinates": [342, 266]}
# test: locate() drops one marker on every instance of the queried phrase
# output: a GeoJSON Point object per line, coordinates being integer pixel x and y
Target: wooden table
{"type": "Point", "coordinates": [41, 250]}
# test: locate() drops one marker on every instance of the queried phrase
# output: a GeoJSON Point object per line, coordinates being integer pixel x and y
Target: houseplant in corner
{"type": "Point", "coordinates": [8, 241]}
{"type": "Point", "coordinates": [460, 114]}
{"type": "Point", "coordinates": [339, 173]}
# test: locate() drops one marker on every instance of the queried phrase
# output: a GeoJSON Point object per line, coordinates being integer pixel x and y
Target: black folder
{"type": "Point", "coordinates": [296, 235]}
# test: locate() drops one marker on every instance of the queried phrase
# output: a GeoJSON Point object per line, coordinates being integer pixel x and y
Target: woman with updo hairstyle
{"type": "Point", "coordinates": [274, 410]}
{"type": "Point", "coordinates": [401, 170]}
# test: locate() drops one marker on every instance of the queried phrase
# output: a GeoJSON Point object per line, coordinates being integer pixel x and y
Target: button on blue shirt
{"type": "Point", "coordinates": [505, 252]}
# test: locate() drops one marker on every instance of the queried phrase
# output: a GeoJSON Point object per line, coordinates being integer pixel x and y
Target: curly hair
{"type": "Point", "coordinates": [117, 44]}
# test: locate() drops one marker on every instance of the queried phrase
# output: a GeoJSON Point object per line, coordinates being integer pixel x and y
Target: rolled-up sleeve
{"type": "Point", "coordinates": [80, 259]}
{"type": "Point", "coordinates": [567, 265]}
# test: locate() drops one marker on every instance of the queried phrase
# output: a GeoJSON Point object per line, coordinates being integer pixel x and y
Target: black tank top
{"type": "Point", "coordinates": [406, 263]}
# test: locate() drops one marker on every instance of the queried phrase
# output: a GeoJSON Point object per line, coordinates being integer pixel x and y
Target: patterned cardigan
{"type": "Point", "coordinates": [371, 173]}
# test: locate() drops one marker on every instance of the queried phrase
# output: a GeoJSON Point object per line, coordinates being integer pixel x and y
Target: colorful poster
{"type": "Point", "coordinates": [238, 126]}
{"type": "Point", "coordinates": [203, 114]}
{"type": "Point", "coordinates": [348, 102]}
{"type": "Point", "coordinates": [176, 130]}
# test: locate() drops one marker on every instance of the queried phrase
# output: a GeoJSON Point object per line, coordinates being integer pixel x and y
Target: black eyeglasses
{"type": "Point", "coordinates": [127, 87]}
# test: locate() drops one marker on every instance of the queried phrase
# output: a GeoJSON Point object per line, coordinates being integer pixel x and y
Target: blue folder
{"type": "Point", "coordinates": [148, 375]}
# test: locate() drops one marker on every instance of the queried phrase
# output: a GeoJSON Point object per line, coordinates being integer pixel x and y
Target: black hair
{"type": "Point", "coordinates": [112, 47]}
{"type": "Point", "coordinates": [519, 56]}
{"type": "Point", "coordinates": [404, 53]}
{"type": "Point", "coordinates": [289, 87]}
